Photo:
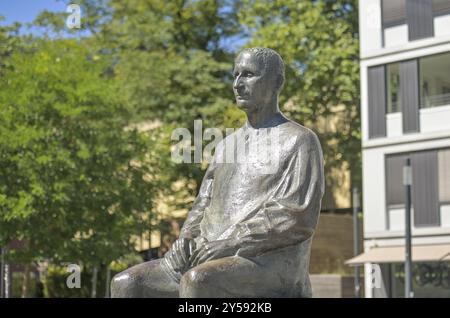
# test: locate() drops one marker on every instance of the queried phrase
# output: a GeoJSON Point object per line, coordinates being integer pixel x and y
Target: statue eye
{"type": "Point", "coordinates": [243, 74]}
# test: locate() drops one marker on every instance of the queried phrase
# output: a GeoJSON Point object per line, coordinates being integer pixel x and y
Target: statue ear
{"type": "Point", "coordinates": [279, 83]}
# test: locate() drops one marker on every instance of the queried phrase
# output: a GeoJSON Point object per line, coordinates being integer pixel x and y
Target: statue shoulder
{"type": "Point", "coordinates": [304, 135]}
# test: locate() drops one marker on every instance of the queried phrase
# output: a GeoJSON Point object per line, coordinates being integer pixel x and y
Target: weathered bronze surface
{"type": "Point", "coordinates": [250, 229]}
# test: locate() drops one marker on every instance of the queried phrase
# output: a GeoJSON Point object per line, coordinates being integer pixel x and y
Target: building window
{"type": "Point", "coordinates": [394, 13]}
{"type": "Point", "coordinates": [393, 16]}
{"type": "Point", "coordinates": [416, 14]}
{"type": "Point", "coordinates": [430, 188]}
{"type": "Point", "coordinates": [393, 88]}
{"type": "Point", "coordinates": [430, 280]}
{"type": "Point", "coordinates": [434, 72]}
{"type": "Point", "coordinates": [444, 175]}
{"type": "Point", "coordinates": [441, 7]}
{"type": "Point", "coordinates": [395, 191]}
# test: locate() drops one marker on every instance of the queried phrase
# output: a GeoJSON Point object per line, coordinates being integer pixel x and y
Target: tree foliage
{"type": "Point", "coordinates": [69, 188]}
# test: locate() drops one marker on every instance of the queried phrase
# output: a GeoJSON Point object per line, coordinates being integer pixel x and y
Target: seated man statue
{"type": "Point", "coordinates": [249, 231]}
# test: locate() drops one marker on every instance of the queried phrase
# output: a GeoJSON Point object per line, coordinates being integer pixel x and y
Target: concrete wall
{"type": "Point", "coordinates": [332, 245]}
{"type": "Point", "coordinates": [435, 119]}
{"type": "Point", "coordinates": [369, 26]}
{"type": "Point", "coordinates": [332, 286]}
{"type": "Point", "coordinates": [442, 26]}
{"type": "Point", "coordinates": [396, 36]}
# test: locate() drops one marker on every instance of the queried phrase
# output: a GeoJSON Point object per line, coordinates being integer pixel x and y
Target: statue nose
{"type": "Point", "coordinates": [237, 83]}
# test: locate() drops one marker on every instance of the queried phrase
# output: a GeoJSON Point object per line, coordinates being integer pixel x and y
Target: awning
{"type": "Point", "coordinates": [396, 254]}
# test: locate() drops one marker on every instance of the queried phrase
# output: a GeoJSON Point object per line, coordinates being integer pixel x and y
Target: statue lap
{"type": "Point", "coordinates": [273, 274]}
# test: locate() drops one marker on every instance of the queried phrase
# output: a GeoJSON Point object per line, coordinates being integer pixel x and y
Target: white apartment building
{"type": "Point", "coordinates": [405, 107]}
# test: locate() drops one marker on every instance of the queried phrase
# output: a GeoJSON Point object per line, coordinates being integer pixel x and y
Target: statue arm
{"type": "Point", "coordinates": [176, 260]}
{"type": "Point", "coordinates": [191, 226]}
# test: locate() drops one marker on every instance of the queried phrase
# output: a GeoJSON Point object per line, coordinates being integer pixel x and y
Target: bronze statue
{"type": "Point", "coordinates": [249, 231]}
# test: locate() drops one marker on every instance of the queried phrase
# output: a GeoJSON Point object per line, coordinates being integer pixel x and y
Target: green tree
{"type": "Point", "coordinates": [9, 43]}
{"type": "Point", "coordinates": [73, 184]}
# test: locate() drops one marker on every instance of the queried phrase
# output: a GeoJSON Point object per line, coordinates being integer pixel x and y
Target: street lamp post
{"type": "Point", "coordinates": [407, 181]}
{"type": "Point", "coordinates": [356, 208]}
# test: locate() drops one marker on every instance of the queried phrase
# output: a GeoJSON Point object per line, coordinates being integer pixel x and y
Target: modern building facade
{"type": "Point", "coordinates": [405, 107]}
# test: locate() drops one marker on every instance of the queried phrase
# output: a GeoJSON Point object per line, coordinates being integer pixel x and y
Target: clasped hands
{"type": "Point", "coordinates": [185, 253]}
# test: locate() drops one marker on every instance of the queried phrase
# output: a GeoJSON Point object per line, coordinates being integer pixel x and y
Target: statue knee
{"type": "Point", "coordinates": [196, 282]}
{"type": "Point", "coordinates": [122, 286]}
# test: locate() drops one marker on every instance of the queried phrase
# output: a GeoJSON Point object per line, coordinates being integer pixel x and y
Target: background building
{"type": "Point", "coordinates": [405, 107]}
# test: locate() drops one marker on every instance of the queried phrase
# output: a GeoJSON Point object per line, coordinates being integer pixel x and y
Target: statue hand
{"type": "Point", "coordinates": [213, 250]}
{"type": "Point", "coordinates": [179, 253]}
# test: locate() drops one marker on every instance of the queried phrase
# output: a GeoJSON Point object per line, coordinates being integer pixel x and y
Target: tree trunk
{"type": "Point", "coordinates": [107, 283]}
{"type": "Point", "coordinates": [2, 272]}
{"type": "Point", "coordinates": [7, 281]}
{"type": "Point", "coordinates": [94, 282]}
{"type": "Point", "coordinates": [26, 281]}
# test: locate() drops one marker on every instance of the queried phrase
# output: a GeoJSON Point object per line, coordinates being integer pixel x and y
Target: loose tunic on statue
{"type": "Point", "coordinates": [262, 192]}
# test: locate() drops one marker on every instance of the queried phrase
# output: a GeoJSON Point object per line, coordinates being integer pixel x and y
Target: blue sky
{"type": "Point", "coordinates": [26, 10]}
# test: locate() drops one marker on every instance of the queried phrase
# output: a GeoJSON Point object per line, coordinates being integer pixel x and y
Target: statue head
{"type": "Point", "coordinates": [258, 78]}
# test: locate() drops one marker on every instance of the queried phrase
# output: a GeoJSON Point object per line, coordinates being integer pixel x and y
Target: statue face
{"type": "Point", "coordinates": [252, 86]}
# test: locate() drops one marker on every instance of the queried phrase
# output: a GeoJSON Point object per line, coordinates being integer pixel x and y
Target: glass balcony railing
{"type": "Point", "coordinates": [435, 100]}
